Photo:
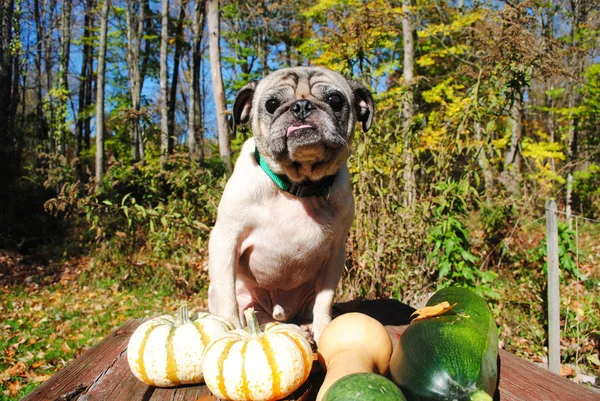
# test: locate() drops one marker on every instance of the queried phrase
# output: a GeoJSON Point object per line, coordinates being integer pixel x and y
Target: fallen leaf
{"type": "Point", "coordinates": [40, 378]}
{"type": "Point", "coordinates": [432, 311]}
{"type": "Point", "coordinates": [566, 371]}
{"type": "Point", "coordinates": [18, 369]}
{"type": "Point", "coordinates": [594, 359]}
{"type": "Point", "coordinates": [14, 388]}
{"type": "Point", "coordinates": [65, 348]}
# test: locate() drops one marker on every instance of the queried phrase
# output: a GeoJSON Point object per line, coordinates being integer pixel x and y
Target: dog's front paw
{"type": "Point", "coordinates": [231, 316]}
{"type": "Point", "coordinates": [308, 334]}
{"type": "Point", "coordinates": [235, 320]}
{"type": "Point", "coordinates": [318, 326]}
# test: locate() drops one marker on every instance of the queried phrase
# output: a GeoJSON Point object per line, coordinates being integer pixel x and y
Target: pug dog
{"type": "Point", "coordinates": [278, 244]}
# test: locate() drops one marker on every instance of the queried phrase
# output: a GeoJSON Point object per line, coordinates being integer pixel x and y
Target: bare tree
{"type": "Point", "coordinates": [580, 9]}
{"type": "Point", "coordinates": [164, 115]}
{"type": "Point", "coordinates": [135, 12]}
{"type": "Point", "coordinates": [484, 163]}
{"type": "Point", "coordinates": [100, 93]}
{"type": "Point", "coordinates": [175, 77]}
{"type": "Point", "coordinates": [48, 15]}
{"type": "Point", "coordinates": [212, 17]}
{"type": "Point", "coordinates": [195, 135]}
{"type": "Point", "coordinates": [512, 160]}
{"type": "Point", "coordinates": [63, 74]}
{"type": "Point", "coordinates": [410, 191]}
{"type": "Point", "coordinates": [38, 67]}
{"type": "Point", "coordinates": [85, 85]}
{"type": "Point", "coordinates": [6, 76]}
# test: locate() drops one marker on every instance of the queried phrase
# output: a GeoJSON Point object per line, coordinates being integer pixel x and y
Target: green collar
{"type": "Point", "coordinates": [320, 188]}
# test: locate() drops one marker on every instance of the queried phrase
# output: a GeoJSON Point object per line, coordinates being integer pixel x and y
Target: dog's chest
{"type": "Point", "coordinates": [290, 242]}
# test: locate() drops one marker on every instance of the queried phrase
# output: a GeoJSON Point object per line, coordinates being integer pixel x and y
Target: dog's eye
{"type": "Point", "coordinates": [335, 101]}
{"type": "Point", "coordinates": [272, 105]}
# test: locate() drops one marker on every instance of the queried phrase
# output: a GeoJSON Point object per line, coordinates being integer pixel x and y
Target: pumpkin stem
{"type": "Point", "coordinates": [253, 326]}
{"type": "Point", "coordinates": [182, 316]}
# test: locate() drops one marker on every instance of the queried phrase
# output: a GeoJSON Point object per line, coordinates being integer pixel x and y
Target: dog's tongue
{"type": "Point", "coordinates": [294, 128]}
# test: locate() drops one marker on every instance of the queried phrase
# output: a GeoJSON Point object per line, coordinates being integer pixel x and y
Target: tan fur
{"type": "Point", "coordinates": [279, 253]}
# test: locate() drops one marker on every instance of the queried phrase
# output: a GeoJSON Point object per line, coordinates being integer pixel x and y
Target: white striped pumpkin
{"type": "Point", "coordinates": [167, 351]}
{"type": "Point", "coordinates": [252, 365]}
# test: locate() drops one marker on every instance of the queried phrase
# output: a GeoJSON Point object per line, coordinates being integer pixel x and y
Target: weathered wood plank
{"type": "Point", "coordinates": [187, 393]}
{"type": "Point", "coordinates": [102, 373]}
{"type": "Point", "coordinates": [116, 382]}
{"type": "Point", "coordinates": [77, 376]}
{"type": "Point", "coordinates": [521, 380]}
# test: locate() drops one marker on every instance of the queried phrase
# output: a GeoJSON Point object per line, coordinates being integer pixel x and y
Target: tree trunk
{"type": "Point", "coordinates": [571, 152]}
{"type": "Point", "coordinates": [6, 80]}
{"type": "Point", "coordinates": [39, 54]}
{"type": "Point", "coordinates": [100, 94]}
{"type": "Point", "coordinates": [85, 76]}
{"type": "Point", "coordinates": [410, 188]}
{"type": "Point", "coordinates": [263, 36]}
{"type": "Point", "coordinates": [548, 35]}
{"type": "Point", "coordinates": [164, 115]}
{"type": "Point", "coordinates": [49, 64]}
{"type": "Point", "coordinates": [135, 33]}
{"type": "Point", "coordinates": [89, 92]}
{"type": "Point", "coordinates": [63, 75]}
{"type": "Point", "coordinates": [16, 73]}
{"type": "Point", "coordinates": [511, 176]}
{"type": "Point", "coordinates": [580, 10]}
{"type": "Point", "coordinates": [175, 77]}
{"type": "Point", "coordinates": [195, 135]}
{"type": "Point", "coordinates": [550, 119]}
{"type": "Point", "coordinates": [511, 158]}
{"type": "Point", "coordinates": [484, 164]}
{"type": "Point", "coordinates": [212, 16]}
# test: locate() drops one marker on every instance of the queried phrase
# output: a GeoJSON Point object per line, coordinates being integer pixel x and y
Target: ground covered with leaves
{"type": "Point", "coordinates": [49, 319]}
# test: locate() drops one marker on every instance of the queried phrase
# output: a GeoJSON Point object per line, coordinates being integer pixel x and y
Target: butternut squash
{"type": "Point", "coordinates": [353, 343]}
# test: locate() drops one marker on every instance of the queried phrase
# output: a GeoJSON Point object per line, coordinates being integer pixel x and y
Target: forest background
{"type": "Point", "coordinates": [115, 144]}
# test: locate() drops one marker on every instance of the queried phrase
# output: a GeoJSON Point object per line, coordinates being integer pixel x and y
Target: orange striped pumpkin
{"type": "Point", "coordinates": [256, 365]}
{"type": "Point", "coordinates": [167, 351]}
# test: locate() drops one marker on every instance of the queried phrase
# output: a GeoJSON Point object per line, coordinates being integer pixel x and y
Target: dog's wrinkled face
{"type": "Point", "coordinates": [303, 119]}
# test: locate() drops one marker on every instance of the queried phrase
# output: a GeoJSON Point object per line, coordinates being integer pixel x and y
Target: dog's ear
{"type": "Point", "coordinates": [243, 103]}
{"type": "Point", "coordinates": [363, 102]}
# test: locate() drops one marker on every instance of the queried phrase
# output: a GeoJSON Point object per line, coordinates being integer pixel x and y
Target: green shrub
{"type": "Point", "coordinates": [568, 253]}
{"type": "Point", "coordinates": [449, 238]}
{"type": "Point", "coordinates": [148, 225]}
{"type": "Point", "coordinates": [586, 191]}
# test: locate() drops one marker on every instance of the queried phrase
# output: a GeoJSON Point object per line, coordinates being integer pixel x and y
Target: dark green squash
{"type": "Point", "coordinates": [363, 387]}
{"type": "Point", "coordinates": [449, 357]}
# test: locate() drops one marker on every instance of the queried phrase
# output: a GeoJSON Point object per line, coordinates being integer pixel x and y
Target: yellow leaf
{"type": "Point", "coordinates": [432, 311]}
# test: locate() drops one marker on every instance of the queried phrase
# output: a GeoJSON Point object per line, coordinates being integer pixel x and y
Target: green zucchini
{"type": "Point", "coordinates": [452, 356]}
{"type": "Point", "coordinates": [363, 387]}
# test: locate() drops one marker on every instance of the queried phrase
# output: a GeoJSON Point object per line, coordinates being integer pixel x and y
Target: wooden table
{"type": "Point", "coordinates": [102, 373]}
